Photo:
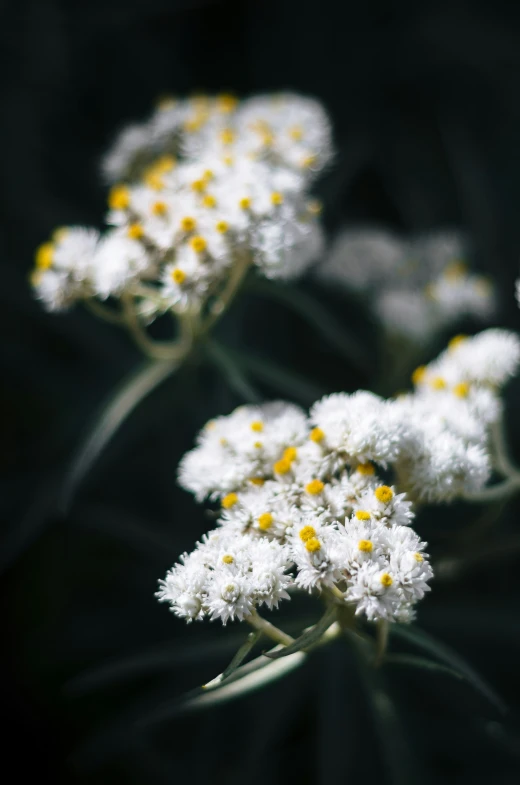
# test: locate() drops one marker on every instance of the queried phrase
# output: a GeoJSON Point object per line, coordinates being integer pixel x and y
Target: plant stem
{"type": "Point", "coordinates": [382, 630]}
{"type": "Point", "coordinates": [165, 350]}
{"type": "Point", "coordinates": [277, 635]}
{"type": "Point", "coordinates": [105, 313]}
{"type": "Point", "coordinates": [236, 277]}
{"type": "Point", "coordinates": [495, 492]}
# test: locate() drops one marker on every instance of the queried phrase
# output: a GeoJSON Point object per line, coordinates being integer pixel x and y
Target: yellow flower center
{"type": "Point", "coordinates": [363, 515]}
{"type": "Point", "coordinates": [118, 197]}
{"type": "Point", "coordinates": [438, 383]}
{"type": "Point", "coordinates": [199, 186]}
{"type": "Point", "coordinates": [418, 557]}
{"type": "Point", "coordinates": [419, 374]}
{"type": "Point", "coordinates": [228, 559]}
{"type": "Point", "coordinates": [226, 103]}
{"type": "Point", "coordinates": [257, 426]}
{"type": "Point", "coordinates": [245, 203]}
{"type": "Point", "coordinates": [153, 180]}
{"type": "Point", "coordinates": [44, 256]}
{"type": "Point", "coordinates": [165, 164]}
{"type": "Point", "coordinates": [283, 466]}
{"type": "Point", "coordinates": [290, 453]}
{"type": "Point", "coordinates": [159, 208]}
{"type": "Point", "coordinates": [257, 481]}
{"type": "Point", "coordinates": [386, 580]}
{"type": "Point", "coordinates": [258, 445]}
{"type": "Point", "coordinates": [456, 341]}
{"type": "Point", "coordinates": [366, 469]}
{"type": "Point", "coordinates": [209, 201]}
{"type": "Point", "coordinates": [135, 231]}
{"type": "Point", "coordinates": [265, 521]}
{"type": "Point", "coordinates": [276, 198]}
{"type": "Point", "coordinates": [188, 224]}
{"type": "Point", "coordinates": [314, 487]}
{"type": "Point", "coordinates": [178, 275]}
{"type": "Point", "coordinates": [228, 160]}
{"type": "Point", "coordinates": [229, 500]}
{"type": "Point", "coordinates": [222, 227]}
{"type": "Point", "coordinates": [313, 545]}
{"type": "Point", "coordinates": [296, 133]}
{"type": "Point", "coordinates": [308, 161]}
{"type": "Point", "coordinates": [365, 546]}
{"type": "Point", "coordinates": [307, 532]}
{"type": "Point", "coordinates": [316, 435]}
{"type": "Point", "coordinates": [227, 136]}
{"type": "Point", "coordinates": [461, 390]}
{"type": "Point", "coordinates": [198, 244]}
{"type": "Point", "coordinates": [384, 494]}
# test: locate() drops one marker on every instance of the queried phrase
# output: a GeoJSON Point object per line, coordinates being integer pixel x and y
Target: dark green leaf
{"type": "Point", "coordinates": [444, 653]}
{"type": "Point", "coordinates": [119, 406]}
{"type": "Point", "coordinates": [319, 317]}
{"type": "Point", "coordinates": [232, 372]}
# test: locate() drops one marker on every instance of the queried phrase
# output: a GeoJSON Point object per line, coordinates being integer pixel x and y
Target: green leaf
{"type": "Point", "coordinates": [289, 383]}
{"type": "Point", "coordinates": [265, 672]}
{"type": "Point", "coordinates": [241, 654]}
{"type": "Point", "coordinates": [319, 317]}
{"type": "Point", "coordinates": [413, 661]}
{"type": "Point", "coordinates": [453, 660]}
{"type": "Point", "coordinates": [308, 638]}
{"type": "Point", "coordinates": [393, 740]}
{"type": "Point", "coordinates": [228, 365]}
{"type": "Point", "coordinates": [114, 412]}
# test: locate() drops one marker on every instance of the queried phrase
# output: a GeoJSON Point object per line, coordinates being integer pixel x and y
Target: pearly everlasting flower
{"type": "Point", "coordinates": [303, 504]}
{"type": "Point", "coordinates": [417, 286]}
{"type": "Point", "coordinates": [205, 187]}
{"type": "Point", "coordinates": [361, 426]}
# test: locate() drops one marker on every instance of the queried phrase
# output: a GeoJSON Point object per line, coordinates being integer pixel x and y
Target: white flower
{"type": "Point", "coordinates": [117, 261]}
{"type": "Point", "coordinates": [362, 258]}
{"type": "Point", "coordinates": [417, 286]}
{"type": "Point", "coordinates": [204, 186]}
{"type": "Point", "coordinates": [247, 445]}
{"type": "Point", "coordinates": [362, 426]}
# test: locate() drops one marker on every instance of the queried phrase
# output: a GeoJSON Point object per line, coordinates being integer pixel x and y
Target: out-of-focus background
{"type": "Point", "coordinates": [424, 98]}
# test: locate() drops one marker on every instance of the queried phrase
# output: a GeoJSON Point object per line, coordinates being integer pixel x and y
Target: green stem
{"type": "Point", "coordinates": [277, 635]}
{"type": "Point", "coordinates": [494, 492]}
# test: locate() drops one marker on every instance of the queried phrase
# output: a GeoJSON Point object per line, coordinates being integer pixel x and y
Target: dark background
{"type": "Point", "coordinates": [425, 101]}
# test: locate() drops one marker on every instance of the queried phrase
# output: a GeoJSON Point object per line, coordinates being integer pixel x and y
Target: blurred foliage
{"type": "Point", "coordinates": [424, 99]}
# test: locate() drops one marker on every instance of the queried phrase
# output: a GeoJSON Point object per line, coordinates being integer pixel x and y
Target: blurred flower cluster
{"type": "Point", "coordinates": [207, 187]}
{"type": "Point", "coordinates": [417, 286]}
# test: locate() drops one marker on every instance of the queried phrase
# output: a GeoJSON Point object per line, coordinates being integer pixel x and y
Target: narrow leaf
{"type": "Point", "coordinates": [444, 653]}
{"type": "Point", "coordinates": [290, 383]}
{"type": "Point", "coordinates": [422, 663]}
{"type": "Point", "coordinates": [238, 687]}
{"type": "Point", "coordinates": [308, 638]}
{"type": "Point", "coordinates": [239, 657]}
{"type": "Point", "coordinates": [119, 406]}
{"type": "Point", "coordinates": [232, 372]}
{"type": "Point", "coordinates": [319, 317]}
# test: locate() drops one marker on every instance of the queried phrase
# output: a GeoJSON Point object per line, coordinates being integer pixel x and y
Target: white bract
{"type": "Point", "coordinates": [205, 186]}
{"type": "Point", "coordinates": [416, 286]}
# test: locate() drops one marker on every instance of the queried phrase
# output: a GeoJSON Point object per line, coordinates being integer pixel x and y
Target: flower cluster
{"type": "Point", "coordinates": [417, 287]}
{"type": "Point", "coordinates": [303, 500]}
{"type": "Point", "coordinates": [206, 185]}
{"type": "Point", "coordinates": [452, 410]}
